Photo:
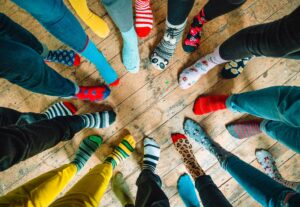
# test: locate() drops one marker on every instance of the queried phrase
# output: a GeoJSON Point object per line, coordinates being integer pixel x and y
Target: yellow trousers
{"type": "Point", "coordinates": [42, 191]}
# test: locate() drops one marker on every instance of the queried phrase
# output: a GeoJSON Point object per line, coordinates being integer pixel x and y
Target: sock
{"type": "Point", "coordinates": [267, 162]}
{"type": "Point", "coordinates": [60, 109]}
{"type": "Point", "coordinates": [122, 151]}
{"type": "Point", "coordinates": [186, 190]}
{"type": "Point", "coordinates": [94, 22]}
{"type": "Point", "coordinates": [98, 119]}
{"type": "Point", "coordinates": [162, 54]}
{"type": "Point", "coordinates": [93, 93]}
{"type": "Point", "coordinates": [121, 189]}
{"type": "Point", "coordinates": [234, 68]}
{"type": "Point", "coordinates": [143, 18]}
{"type": "Point", "coordinates": [66, 57]}
{"type": "Point", "coordinates": [151, 154]}
{"type": "Point", "coordinates": [244, 129]}
{"type": "Point", "coordinates": [189, 76]}
{"type": "Point", "coordinates": [193, 39]}
{"type": "Point", "coordinates": [130, 52]}
{"type": "Point", "coordinates": [185, 149]}
{"type": "Point", "coordinates": [207, 104]}
{"type": "Point", "coordinates": [195, 131]}
{"type": "Point", "coordinates": [86, 148]}
{"type": "Point", "coordinates": [96, 57]}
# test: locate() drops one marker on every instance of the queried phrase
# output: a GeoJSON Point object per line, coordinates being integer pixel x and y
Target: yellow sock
{"type": "Point", "coordinates": [97, 24]}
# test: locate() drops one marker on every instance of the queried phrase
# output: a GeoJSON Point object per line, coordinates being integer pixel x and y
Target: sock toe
{"type": "Point", "coordinates": [188, 48]}
{"type": "Point", "coordinates": [143, 32]}
{"type": "Point", "coordinates": [177, 136]}
{"type": "Point", "coordinates": [115, 83]}
{"type": "Point", "coordinates": [112, 117]}
{"type": "Point", "coordinates": [130, 139]}
{"type": "Point", "coordinates": [231, 130]}
{"type": "Point", "coordinates": [76, 60]}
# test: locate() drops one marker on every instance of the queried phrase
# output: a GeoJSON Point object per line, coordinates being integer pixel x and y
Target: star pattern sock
{"type": "Point", "coordinates": [207, 104]}
{"type": "Point", "coordinates": [151, 154]}
{"type": "Point", "coordinates": [195, 131]}
{"type": "Point", "coordinates": [93, 93]}
{"type": "Point", "coordinates": [98, 119]}
{"type": "Point", "coordinates": [66, 57]}
{"type": "Point", "coordinates": [121, 189]}
{"type": "Point", "coordinates": [185, 149]}
{"type": "Point", "coordinates": [162, 54]}
{"type": "Point", "coordinates": [86, 149]}
{"type": "Point", "coordinates": [143, 18]}
{"type": "Point", "coordinates": [60, 109]}
{"type": "Point", "coordinates": [193, 39]}
{"type": "Point", "coordinates": [234, 68]}
{"type": "Point", "coordinates": [130, 52]}
{"type": "Point", "coordinates": [267, 162]}
{"type": "Point", "coordinates": [122, 151]}
{"type": "Point", "coordinates": [186, 190]}
{"type": "Point", "coordinates": [244, 129]}
{"type": "Point", "coordinates": [189, 76]}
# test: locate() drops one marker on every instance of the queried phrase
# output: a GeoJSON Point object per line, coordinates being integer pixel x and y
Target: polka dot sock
{"type": "Point", "coordinates": [93, 93]}
{"type": "Point", "coordinates": [66, 57]}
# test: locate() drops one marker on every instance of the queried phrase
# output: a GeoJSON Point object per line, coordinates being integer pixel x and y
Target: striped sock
{"type": "Point", "coordinates": [98, 119]}
{"type": "Point", "coordinates": [60, 109]}
{"type": "Point", "coordinates": [122, 151]}
{"type": "Point", "coordinates": [86, 148]}
{"type": "Point", "coordinates": [143, 17]}
{"type": "Point", "coordinates": [244, 129]}
{"type": "Point", "coordinates": [151, 154]}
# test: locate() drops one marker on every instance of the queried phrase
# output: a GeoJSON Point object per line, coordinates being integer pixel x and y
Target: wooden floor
{"type": "Point", "coordinates": [151, 103]}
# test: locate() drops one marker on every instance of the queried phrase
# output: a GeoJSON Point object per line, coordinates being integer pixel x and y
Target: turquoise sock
{"type": "Point", "coordinates": [96, 57]}
{"type": "Point", "coordinates": [130, 53]}
{"type": "Point", "coordinates": [186, 190]}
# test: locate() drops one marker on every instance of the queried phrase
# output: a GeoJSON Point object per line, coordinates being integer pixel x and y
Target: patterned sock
{"type": "Point", "coordinates": [130, 52]}
{"type": "Point", "coordinates": [193, 39]}
{"type": "Point", "coordinates": [86, 148]}
{"type": "Point", "coordinates": [195, 131]}
{"type": "Point", "coordinates": [185, 149]}
{"type": "Point", "coordinates": [207, 104]}
{"type": "Point", "coordinates": [93, 93]}
{"type": "Point", "coordinates": [143, 18]}
{"type": "Point", "coordinates": [121, 189]}
{"type": "Point", "coordinates": [66, 57]}
{"type": "Point", "coordinates": [234, 68]}
{"type": "Point", "coordinates": [267, 162]}
{"type": "Point", "coordinates": [151, 154]}
{"type": "Point", "coordinates": [122, 151]}
{"type": "Point", "coordinates": [186, 190]}
{"type": "Point", "coordinates": [189, 76]}
{"type": "Point", "coordinates": [165, 49]}
{"type": "Point", "coordinates": [98, 119]}
{"type": "Point", "coordinates": [60, 109]}
{"type": "Point", "coordinates": [244, 129]}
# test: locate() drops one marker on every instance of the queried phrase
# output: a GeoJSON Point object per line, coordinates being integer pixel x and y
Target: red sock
{"type": "Point", "coordinates": [143, 18]}
{"type": "Point", "coordinates": [206, 104]}
{"type": "Point", "coordinates": [76, 60]}
{"type": "Point", "coordinates": [177, 136]}
{"type": "Point", "coordinates": [115, 83]}
{"type": "Point", "coordinates": [93, 93]}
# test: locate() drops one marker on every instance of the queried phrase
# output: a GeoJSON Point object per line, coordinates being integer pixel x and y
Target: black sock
{"type": "Point", "coordinates": [178, 10]}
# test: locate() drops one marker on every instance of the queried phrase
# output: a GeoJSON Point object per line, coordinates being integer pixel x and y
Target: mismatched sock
{"type": "Point", "coordinates": [121, 189]}
{"type": "Point", "coordinates": [207, 104]}
{"type": "Point", "coordinates": [143, 17]}
{"type": "Point", "coordinates": [66, 57]}
{"type": "Point", "coordinates": [186, 190]}
{"type": "Point", "coordinates": [234, 68]}
{"type": "Point", "coordinates": [93, 93]}
{"type": "Point", "coordinates": [60, 109]}
{"type": "Point", "coordinates": [151, 154]}
{"type": "Point", "coordinates": [185, 149]}
{"type": "Point", "coordinates": [244, 129]}
{"type": "Point", "coordinates": [98, 119]}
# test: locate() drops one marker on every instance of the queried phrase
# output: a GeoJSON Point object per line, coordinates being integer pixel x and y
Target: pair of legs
{"type": "Point", "coordinates": [43, 190]}
{"type": "Point", "coordinates": [24, 135]}
{"type": "Point", "coordinates": [60, 22]}
{"type": "Point", "coordinates": [274, 39]}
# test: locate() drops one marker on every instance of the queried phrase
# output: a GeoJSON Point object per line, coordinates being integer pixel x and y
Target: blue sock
{"type": "Point", "coordinates": [186, 190]}
{"type": "Point", "coordinates": [95, 56]}
{"type": "Point", "coordinates": [130, 53]}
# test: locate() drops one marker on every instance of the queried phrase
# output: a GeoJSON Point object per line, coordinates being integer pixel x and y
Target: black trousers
{"type": "Point", "coordinates": [275, 39]}
{"type": "Point", "coordinates": [149, 192]}
{"type": "Point", "coordinates": [23, 135]}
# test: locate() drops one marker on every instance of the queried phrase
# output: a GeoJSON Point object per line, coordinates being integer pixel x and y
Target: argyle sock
{"type": "Point", "coordinates": [122, 151]}
{"type": "Point", "coordinates": [121, 189]}
{"type": "Point", "coordinates": [162, 54]}
{"type": "Point", "coordinates": [193, 39]}
{"type": "Point", "coordinates": [93, 93]}
{"type": "Point", "coordinates": [244, 129]}
{"type": "Point", "coordinates": [98, 119]}
{"type": "Point", "coordinates": [60, 109]}
{"type": "Point", "coordinates": [66, 57]}
{"type": "Point", "coordinates": [186, 190]}
{"type": "Point", "coordinates": [234, 68]}
{"type": "Point", "coordinates": [185, 149]}
{"type": "Point", "coordinates": [143, 18]}
{"type": "Point", "coordinates": [86, 149]}
{"type": "Point", "coordinates": [151, 154]}
{"type": "Point", "coordinates": [207, 104]}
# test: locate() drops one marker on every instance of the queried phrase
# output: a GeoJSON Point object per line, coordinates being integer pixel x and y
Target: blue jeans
{"type": "Point", "coordinates": [261, 187]}
{"type": "Point", "coordinates": [279, 106]}
{"type": "Point", "coordinates": [21, 62]}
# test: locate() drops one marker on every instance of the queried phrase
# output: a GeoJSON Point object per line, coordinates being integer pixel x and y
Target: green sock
{"type": "Point", "coordinates": [86, 148]}
{"type": "Point", "coordinates": [121, 189]}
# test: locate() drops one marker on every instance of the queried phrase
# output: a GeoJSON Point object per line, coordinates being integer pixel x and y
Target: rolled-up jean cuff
{"type": "Point", "coordinates": [228, 104]}
{"type": "Point", "coordinates": [262, 126]}
{"type": "Point", "coordinates": [77, 89]}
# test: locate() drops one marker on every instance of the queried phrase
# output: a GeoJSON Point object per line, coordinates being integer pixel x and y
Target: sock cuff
{"type": "Point", "coordinates": [177, 136]}
{"type": "Point", "coordinates": [178, 26]}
